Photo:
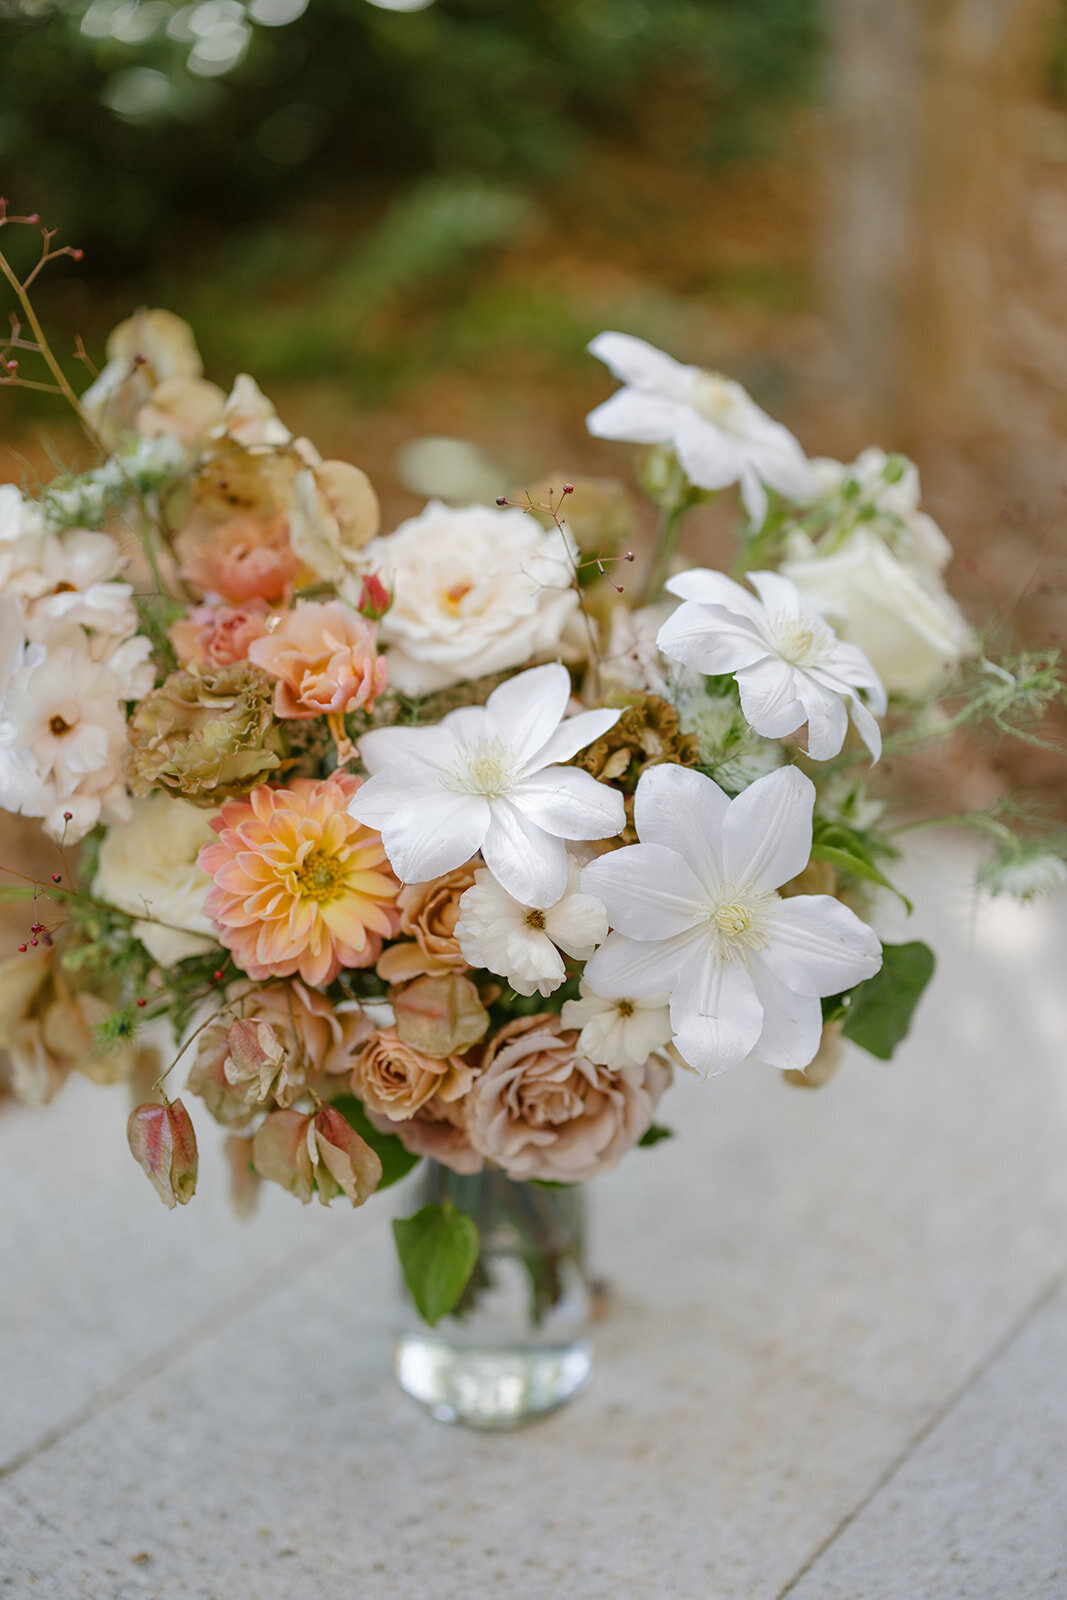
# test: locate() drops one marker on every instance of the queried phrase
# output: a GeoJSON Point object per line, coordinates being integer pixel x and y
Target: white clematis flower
{"type": "Point", "coordinates": [791, 668]}
{"type": "Point", "coordinates": [719, 433]}
{"type": "Point", "coordinates": [487, 778]}
{"type": "Point", "coordinates": [696, 914]}
{"type": "Point", "coordinates": [618, 1033]}
{"type": "Point", "coordinates": [519, 942]}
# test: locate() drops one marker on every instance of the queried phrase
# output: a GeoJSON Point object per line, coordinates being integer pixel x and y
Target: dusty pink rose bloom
{"type": "Point", "coordinates": [438, 1129]}
{"type": "Point", "coordinates": [540, 1109]}
{"type": "Point", "coordinates": [323, 656]}
{"type": "Point", "coordinates": [217, 636]}
{"type": "Point", "coordinates": [247, 558]}
{"type": "Point", "coordinates": [394, 1081]}
{"type": "Point", "coordinates": [428, 916]}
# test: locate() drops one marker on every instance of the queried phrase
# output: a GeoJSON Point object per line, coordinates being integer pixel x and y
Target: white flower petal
{"type": "Point", "coordinates": [649, 891]}
{"type": "Point", "coordinates": [769, 698]}
{"type": "Point", "coordinates": [792, 1023]}
{"type": "Point", "coordinates": [525, 860]}
{"type": "Point", "coordinates": [637, 362]}
{"type": "Point", "coordinates": [711, 458]}
{"type": "Point", "coordinates": [711, 639]}
{"type": "Point", "coordinates": [754, 495]}
{"type": "Point", "coordinates": [571, 804]}
{"type": "Point", "coordinates": [634, 416]}
{"type": "Point", "coordinates": [817, 946]}
{"type": "Point", "coordinates": [715, 589]}
{"type": "Point", "coordinates": [826, 715]}
{"type": "Point", "coordinates": [780, 596]}
{"type": "Point", "coordinates": [715, 1013]}
{"type": "Point", "coordinates": [429, 748]}
{"type": "Point", "coordinates": [766, 834]}
{"type": "Point", "coordinates": [526, 710]}
{"type": "Point", "coordinates": [866, 727]}
{"type": "Point", "coordinates": [624, 967]}
{"type": "Point", "coordinates": [574, 734]}
{"type": "Point", "coordinates": [683, 810]}
{"type": "Point", "coordinates": [425, 833]}
{"type": "Point", "coordinates": [577, 923]}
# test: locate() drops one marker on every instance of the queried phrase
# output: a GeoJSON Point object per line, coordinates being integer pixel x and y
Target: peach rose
{"type": "Point", "coordinates": [247, 558]}
{"type": "Point", "coordinates": [428, 916]}
{"type": "Point", "coordinates": [217, 636]}
{"type": "Point", "coordinates": [437, 1130]}
{"type": "Point", "coordinates": [395, 1081]}
{"type": "Point", "coordinates": [540, 1109]}
{"type": "Point", "coordinates": [324, 659]}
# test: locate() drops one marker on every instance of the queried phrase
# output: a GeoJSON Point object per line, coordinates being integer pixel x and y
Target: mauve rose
{"type": "Point", "coordinates": [217, 636]}
{"type": "Point", "coordinates": [393, 1080]}
{"type": "Point", "coordinates": [324, 661]}
{"type": "Point", "coordinates": [540, 1109]}
{"type": "Point", "coordinates": [438, 1130]}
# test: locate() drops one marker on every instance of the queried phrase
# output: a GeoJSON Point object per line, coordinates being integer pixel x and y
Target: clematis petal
{"type": "Point", "coordinates": [781, 596]}
{"type": "Point", "coordinates": [866, 727]}
{"type": "Point", "coordinates": [636, 416]}
{"type": "Point", "coordinates": [685, 811]}
{"type": "Point", "coordinates": [710, 457]}
{"type": "Point", "coordinates": [631, 968]}
{"type": "Point", "coordinates": [716, 1013]}
{"type": "Point", "coordinates": [570, 803]}
{"type": "Point", "coordinates": [766, 833]}
{"type": "Point", "coordinates": [826, 715]}
{"type": "Point", "coordinates": [792, 1023]}
{"type": "Point", "coordinates": [527, 709]}
{"type": "Point", "coordinates": [431, 748]}
{"type": "Point", "coordinates": [769, 698]}
{"type": "Point", "coordinates": [817, 946]}
{"type": "Point", "coordinates": [637, 362]}
{"type": "Point", "coordinates": [649, 891]}
{"type": "Point", "coordinates": [715, 589]}
{"type": "Point", "coordinates": [572, 735]}
{"type": "Point", "coordinates": [711, 639]}
{"type": "Point", "coordinates": [754, 495]}
{"type": "Point", "coordinates": [529, 863]}
{"type": "Point", "coordinates": [431, 832]}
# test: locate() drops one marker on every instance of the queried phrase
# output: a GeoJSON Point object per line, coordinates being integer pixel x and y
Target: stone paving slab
{"type": "Point", "coordinates": [804, 1285]}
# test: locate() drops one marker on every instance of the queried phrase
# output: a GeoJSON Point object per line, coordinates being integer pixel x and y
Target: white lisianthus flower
{"type": "Point", "coordinates": [62, 742]}
{"type": "Point", "coordinates": [791, 668]}
{"type": "Point", "coordinates": [883, 491]}
{"type": "Point", "coordinates": [476, 590]}
{"type": "Point", "coordinates": [487, 778]}
{"type": "Point", "coordinates": [899, 613]}
{"type": "Point", "coordinates": [695, 914]}
{"type": "Point", "coordinates": [519, 942]}
{"type": "Point", "coordinates": [618, 1033]}
{"type": "Point", "coordinates": [148, 866]}
{"type": "Point", "coordinates": [719, 433]}
{"type": "Point", "coordinates": [77, 585]}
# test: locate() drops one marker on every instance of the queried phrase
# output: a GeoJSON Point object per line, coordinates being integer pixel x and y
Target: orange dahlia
{"type": "Point", "coordinates": [299, 885]}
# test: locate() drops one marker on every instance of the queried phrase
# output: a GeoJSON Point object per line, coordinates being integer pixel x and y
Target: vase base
{"type": "Point", "coordinates": [490, 1386]}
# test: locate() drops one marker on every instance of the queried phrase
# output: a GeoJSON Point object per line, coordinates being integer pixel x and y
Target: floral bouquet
{"type": "Point", "coordinates": [435, 843]}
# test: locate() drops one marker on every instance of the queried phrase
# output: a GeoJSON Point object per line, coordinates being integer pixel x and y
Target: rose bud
{"type": "Point", "coordinates": [163, 1141]}
{"type": "Point", "coordinates": [374, 600]}
{"type": "Point", "coordinates": [344, 1163]}
{"type": "Point", "coordinates": [440, 1015]}
{"type": "Point", "coordinates": [280, 1152]}
{"type": "Point", "coordinates": [257, 1063]}
{"type": "Point", "coordinates": [244, 1179]}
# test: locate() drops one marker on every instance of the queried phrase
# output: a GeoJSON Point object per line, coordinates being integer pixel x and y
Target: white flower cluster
{"type": "Point", "coordinates": [70, 656]}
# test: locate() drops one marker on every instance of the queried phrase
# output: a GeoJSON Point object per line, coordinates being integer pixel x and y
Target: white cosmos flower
{"type": "Point", "coordinates": [77, 575]}
{"type": "Point", "coordinates": [618, 1033]}
{"type": "Point", "coordinates": [719, 433]}
{"type": "Point", "coordinates": [487, 778]}
{"type": "Point", "coordinates": [790, 667]}
{"type": "Point", "coordinates": [519, 942]}
{"type": "Point", "coordinates": [696, 914]}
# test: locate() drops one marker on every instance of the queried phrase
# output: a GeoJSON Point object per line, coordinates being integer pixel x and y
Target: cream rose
{"type": "Point", "coordinates": [148, 865]}
{"type": "Point", "coordinates": [539, 1108]}
{"type": "Point", "coordinates": [476, 590]}
{"type": "Point", "coordinates": [899, 613]}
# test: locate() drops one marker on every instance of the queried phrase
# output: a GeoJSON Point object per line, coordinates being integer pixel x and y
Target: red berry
{"type": "Point", "coordinates": [23, 948]}
{"type": "Point", "coordinates": [57, 877]}
{"type": "Point", "coordinates": [142, 1002]}
{"type": "Point", "coordinates": [568, 488]}
{"type": "Point", "coordinates": [35, 943]}
{"type": "Point", "coordinates": [76, 255]}
{"type": "Point", "coordinates": [217, 974]}
{"type": "Point", "coordinates": [68, 816]}
{"type": "Point", "coordinates": [501, 499]}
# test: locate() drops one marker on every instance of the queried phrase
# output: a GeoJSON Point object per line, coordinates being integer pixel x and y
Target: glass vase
{"type": "Point", "coordinates": [517, 1344]}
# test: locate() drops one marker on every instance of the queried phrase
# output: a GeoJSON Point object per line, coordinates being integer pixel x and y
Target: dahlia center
{"type": "Point", "coordinates": [319, 876]}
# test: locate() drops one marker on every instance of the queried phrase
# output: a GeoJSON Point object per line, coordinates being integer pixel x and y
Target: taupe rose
{"type": "Point", "coordinates": [541, 1109]}
{"type": "Point", "coordinates": [395, 1081]}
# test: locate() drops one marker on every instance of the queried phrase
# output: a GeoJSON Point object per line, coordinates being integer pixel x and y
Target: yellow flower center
{"type": "Point", "coordinates": [485, 767]}
{"type": "Point", "coordinates": [535, 919]}
{"type": "Point", "coordinates": [319, 877]}
{"type": "Point", "coordinates": [732, 920]}
{"type": "Point", "coordinates": [799, 642]}
{"type": "Point", "coordinates": [59, 726]}
{"type": "Point", "coordinates": [625, 1008]}
{"type": "Point", "coordinates": [738, 923]}
{"type": "Point", "coordinates": [715, 400]}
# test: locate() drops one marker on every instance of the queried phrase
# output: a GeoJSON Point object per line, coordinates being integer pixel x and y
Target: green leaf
{"type": "Point", "coordinates": [846, 861]}
{"type": "Point", "coordinates": [655, 1134]}
{"type": "Point", "coordinates": [881, 1010]}
{"type": "Point", "coordinates": [396, 1161]}
{"type": "Point", "coordinates": [438, 1249]}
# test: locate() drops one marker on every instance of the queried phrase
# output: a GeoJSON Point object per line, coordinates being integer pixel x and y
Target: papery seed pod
{"type": "Point", "coordinates": [280, 1152]}
{"type": "Point", "coordinates": [439, 1015]}
{"type": "Point", "coordinates": [257, 1061]}
{"type": "Point", "coordinates": [163, 1141]}
{"type": "Point", "coordinates": [344, 1163]}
